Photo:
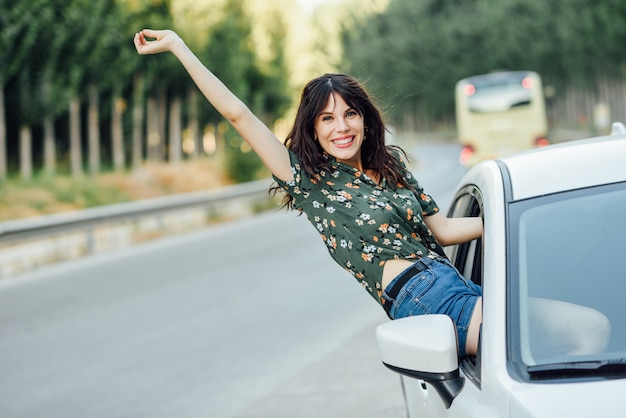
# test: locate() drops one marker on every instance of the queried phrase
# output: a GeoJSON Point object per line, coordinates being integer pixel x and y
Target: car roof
{"type": "Point", "coordinates": [568, 166]}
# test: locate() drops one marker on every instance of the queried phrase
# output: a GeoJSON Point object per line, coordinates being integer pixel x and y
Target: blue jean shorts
{"type": "Point", "coordinates": [438, 289]}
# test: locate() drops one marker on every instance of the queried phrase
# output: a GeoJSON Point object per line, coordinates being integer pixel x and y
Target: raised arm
{"type": "Point", "coordinates": [262, 140]}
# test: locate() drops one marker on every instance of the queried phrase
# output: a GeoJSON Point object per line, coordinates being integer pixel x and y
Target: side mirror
{"type": "Point", "coordinates": [423, 347]}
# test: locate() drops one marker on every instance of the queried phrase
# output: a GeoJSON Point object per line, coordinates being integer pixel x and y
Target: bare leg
{"type": "Point", "coordinates": [471, 343]}
{"type": "Point", "coordinates": [582, 329]}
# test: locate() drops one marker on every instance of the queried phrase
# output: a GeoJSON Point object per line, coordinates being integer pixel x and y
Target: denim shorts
{"type": "Point", "coordinates": [438, 289]}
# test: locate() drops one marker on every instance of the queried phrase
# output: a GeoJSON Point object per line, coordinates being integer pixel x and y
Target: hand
{"type": "Point", "coordinates": [164, 40]}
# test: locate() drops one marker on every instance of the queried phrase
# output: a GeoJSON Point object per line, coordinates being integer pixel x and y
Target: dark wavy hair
{"type": "Point", "coordinates": [384, 159]}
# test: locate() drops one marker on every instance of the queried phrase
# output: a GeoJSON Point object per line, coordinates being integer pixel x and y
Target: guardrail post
{"type": "Point", "coordinates": [91, 240]}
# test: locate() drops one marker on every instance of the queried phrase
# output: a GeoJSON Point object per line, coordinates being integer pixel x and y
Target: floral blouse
{"type": "Point", "coordinates": [363, 224]}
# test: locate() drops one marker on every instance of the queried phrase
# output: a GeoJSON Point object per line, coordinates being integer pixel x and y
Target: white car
{"type": "Point", "coordinates": [555, 231]}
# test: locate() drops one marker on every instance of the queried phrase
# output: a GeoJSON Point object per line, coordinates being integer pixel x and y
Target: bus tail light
{"type": "Point", "coordinates": [527, 83]}
{"type": "Point", "coordinates": [469, 89]}
{"type": "Point", "coordinates": [541, 142]}
{"type": "Point", "coordinates": [466, 154]}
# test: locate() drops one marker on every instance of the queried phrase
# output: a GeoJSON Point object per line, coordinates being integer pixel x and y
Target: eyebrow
{"type": "Point", "coordinates": [349, 109]}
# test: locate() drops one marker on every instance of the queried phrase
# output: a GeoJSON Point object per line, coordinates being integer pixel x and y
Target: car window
{"type": "Point", "coordinates": [467, 257]}
{"type": "Point", "coordinates": [567, 249]}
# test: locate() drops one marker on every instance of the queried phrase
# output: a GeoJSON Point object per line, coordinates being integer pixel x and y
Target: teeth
{"type": "Point", "coordinates": [343, 141]}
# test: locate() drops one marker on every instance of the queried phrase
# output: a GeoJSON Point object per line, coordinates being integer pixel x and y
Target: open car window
{"type": "Point", "coordinates": [467, 258]}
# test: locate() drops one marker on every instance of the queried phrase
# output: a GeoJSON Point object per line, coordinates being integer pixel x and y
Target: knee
{"type": "Point", "coordinates": [596, 333]}
{"type": "Point", "coordinates": [599, 331]}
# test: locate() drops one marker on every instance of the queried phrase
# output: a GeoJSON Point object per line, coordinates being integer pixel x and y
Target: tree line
{"type": "Point", "coordinates": [75, 96]}
{"type": "Point", "coordinates": [413, 52]}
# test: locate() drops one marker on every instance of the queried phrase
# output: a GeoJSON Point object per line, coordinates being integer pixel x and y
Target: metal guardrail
{"type": "Point", "coordinates": [23, 229]}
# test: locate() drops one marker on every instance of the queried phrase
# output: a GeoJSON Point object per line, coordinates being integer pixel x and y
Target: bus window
{"type": "Point", "coordinates": [500, 113]}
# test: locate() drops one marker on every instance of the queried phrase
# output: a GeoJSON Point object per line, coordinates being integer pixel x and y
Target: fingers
{"type": "Point", "coordinates": [140, 42]}
{"type": "Point", "coordinates": [142, 45]}
{"type": "Point", "coordinates": [137, 42]}
{"type": "Point", "coordinates": [160, 41]}
{"type": "Point", "coordinates": [149, 33]}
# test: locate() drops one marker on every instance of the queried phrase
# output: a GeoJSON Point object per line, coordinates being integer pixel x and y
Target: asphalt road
{"type": "Point", "coordinates": [241, 320]}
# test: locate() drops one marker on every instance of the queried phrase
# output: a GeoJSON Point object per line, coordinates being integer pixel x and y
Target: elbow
{"type": "Point", "coordinates": [236, 113]}
{"type": "Point", "coordinates": [444, 242]}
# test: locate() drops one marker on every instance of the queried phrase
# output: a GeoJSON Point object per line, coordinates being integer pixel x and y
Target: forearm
{"type": "Point", "coordinates": [451, 231]}
{"type": "Point", "coordinates": [224, 101]}
{"type": "Point", "coordinates": [464, 229]}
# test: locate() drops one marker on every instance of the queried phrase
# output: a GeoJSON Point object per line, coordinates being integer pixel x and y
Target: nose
{"type": "Point", "coordinates": [342, 125]}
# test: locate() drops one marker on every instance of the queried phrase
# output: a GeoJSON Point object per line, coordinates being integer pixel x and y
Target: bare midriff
{"type": "Point", "coordinates": [392, 269]}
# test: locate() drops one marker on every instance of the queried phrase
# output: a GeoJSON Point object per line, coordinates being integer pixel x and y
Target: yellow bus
{"type": "Point", "coordinates": [500, 113]}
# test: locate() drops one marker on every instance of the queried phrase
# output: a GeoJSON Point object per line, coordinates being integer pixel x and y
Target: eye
{"type": "Point", "coordinates": [351, 113]}
{"type": "Point", "coordinates": [325, 118]}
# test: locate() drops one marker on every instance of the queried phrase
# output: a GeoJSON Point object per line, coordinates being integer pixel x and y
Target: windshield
{"type": "Point", "coordinates": [498, 92]}
{"type": "Point", "coordinates": [568, 270]}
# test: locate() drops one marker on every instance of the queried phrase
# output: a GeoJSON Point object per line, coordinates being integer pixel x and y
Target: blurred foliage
{"type": "Point", "coordinates": [46, 195]}
{"type": "Point", "coordinates": [43, 195]}
{"type": "Point", "coordinates": [262, 88]}
{"type": "Point", "coordinates": [410, 53]}
{"type": "Point", "coordinates": [413, 52]}
{"type": "Point", "coordinates": [53, 51]}
{"type": "Point", "coordinates": [241, 163]}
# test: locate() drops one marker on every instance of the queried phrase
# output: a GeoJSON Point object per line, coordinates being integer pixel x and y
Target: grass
{"type": "Point", "coordinates": [43, 195]}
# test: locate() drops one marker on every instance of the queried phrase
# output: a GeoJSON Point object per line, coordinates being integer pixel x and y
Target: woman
{"type": "Point", "coordinates": [372, 214]}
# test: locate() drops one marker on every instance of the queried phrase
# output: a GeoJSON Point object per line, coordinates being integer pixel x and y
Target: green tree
{"type": "Point", "coordinates": [60, 80]}
{"type": "Point", "coordinates": [20, 33]}
{"type": "Point", "coordinates": [157, 74]}
{"type": "Point", "coordinates": [111, 46]}
{"type": "Point", "coordinates": [591, 36]}
{"type": "Point", "coordinates": [120, 55]}
{"type": "Point", "coordinates": [14, 31]}
{"type": "Point", "coordinates": [82, 23]}
{"type": "Point", "coordinates": [230, 55]}
{"type": "Point", "coordinates": [413, 53]}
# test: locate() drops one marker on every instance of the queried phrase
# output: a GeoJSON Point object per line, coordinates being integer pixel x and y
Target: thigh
{"type": "Point", "coordinates": [561, 327]}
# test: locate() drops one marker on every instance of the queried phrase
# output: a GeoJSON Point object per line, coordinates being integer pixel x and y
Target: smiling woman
{"type": "Point", "coordinates": [371, 213]}
{"type": "Point", "coordinates": [340, 131]}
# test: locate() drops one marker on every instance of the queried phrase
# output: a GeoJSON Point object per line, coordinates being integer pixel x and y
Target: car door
{"type": "Point", "coordinates": [421, 399]}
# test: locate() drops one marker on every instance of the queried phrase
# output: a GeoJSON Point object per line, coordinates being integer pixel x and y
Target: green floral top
{"type": "Point", "coordinates": [363, 224]}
